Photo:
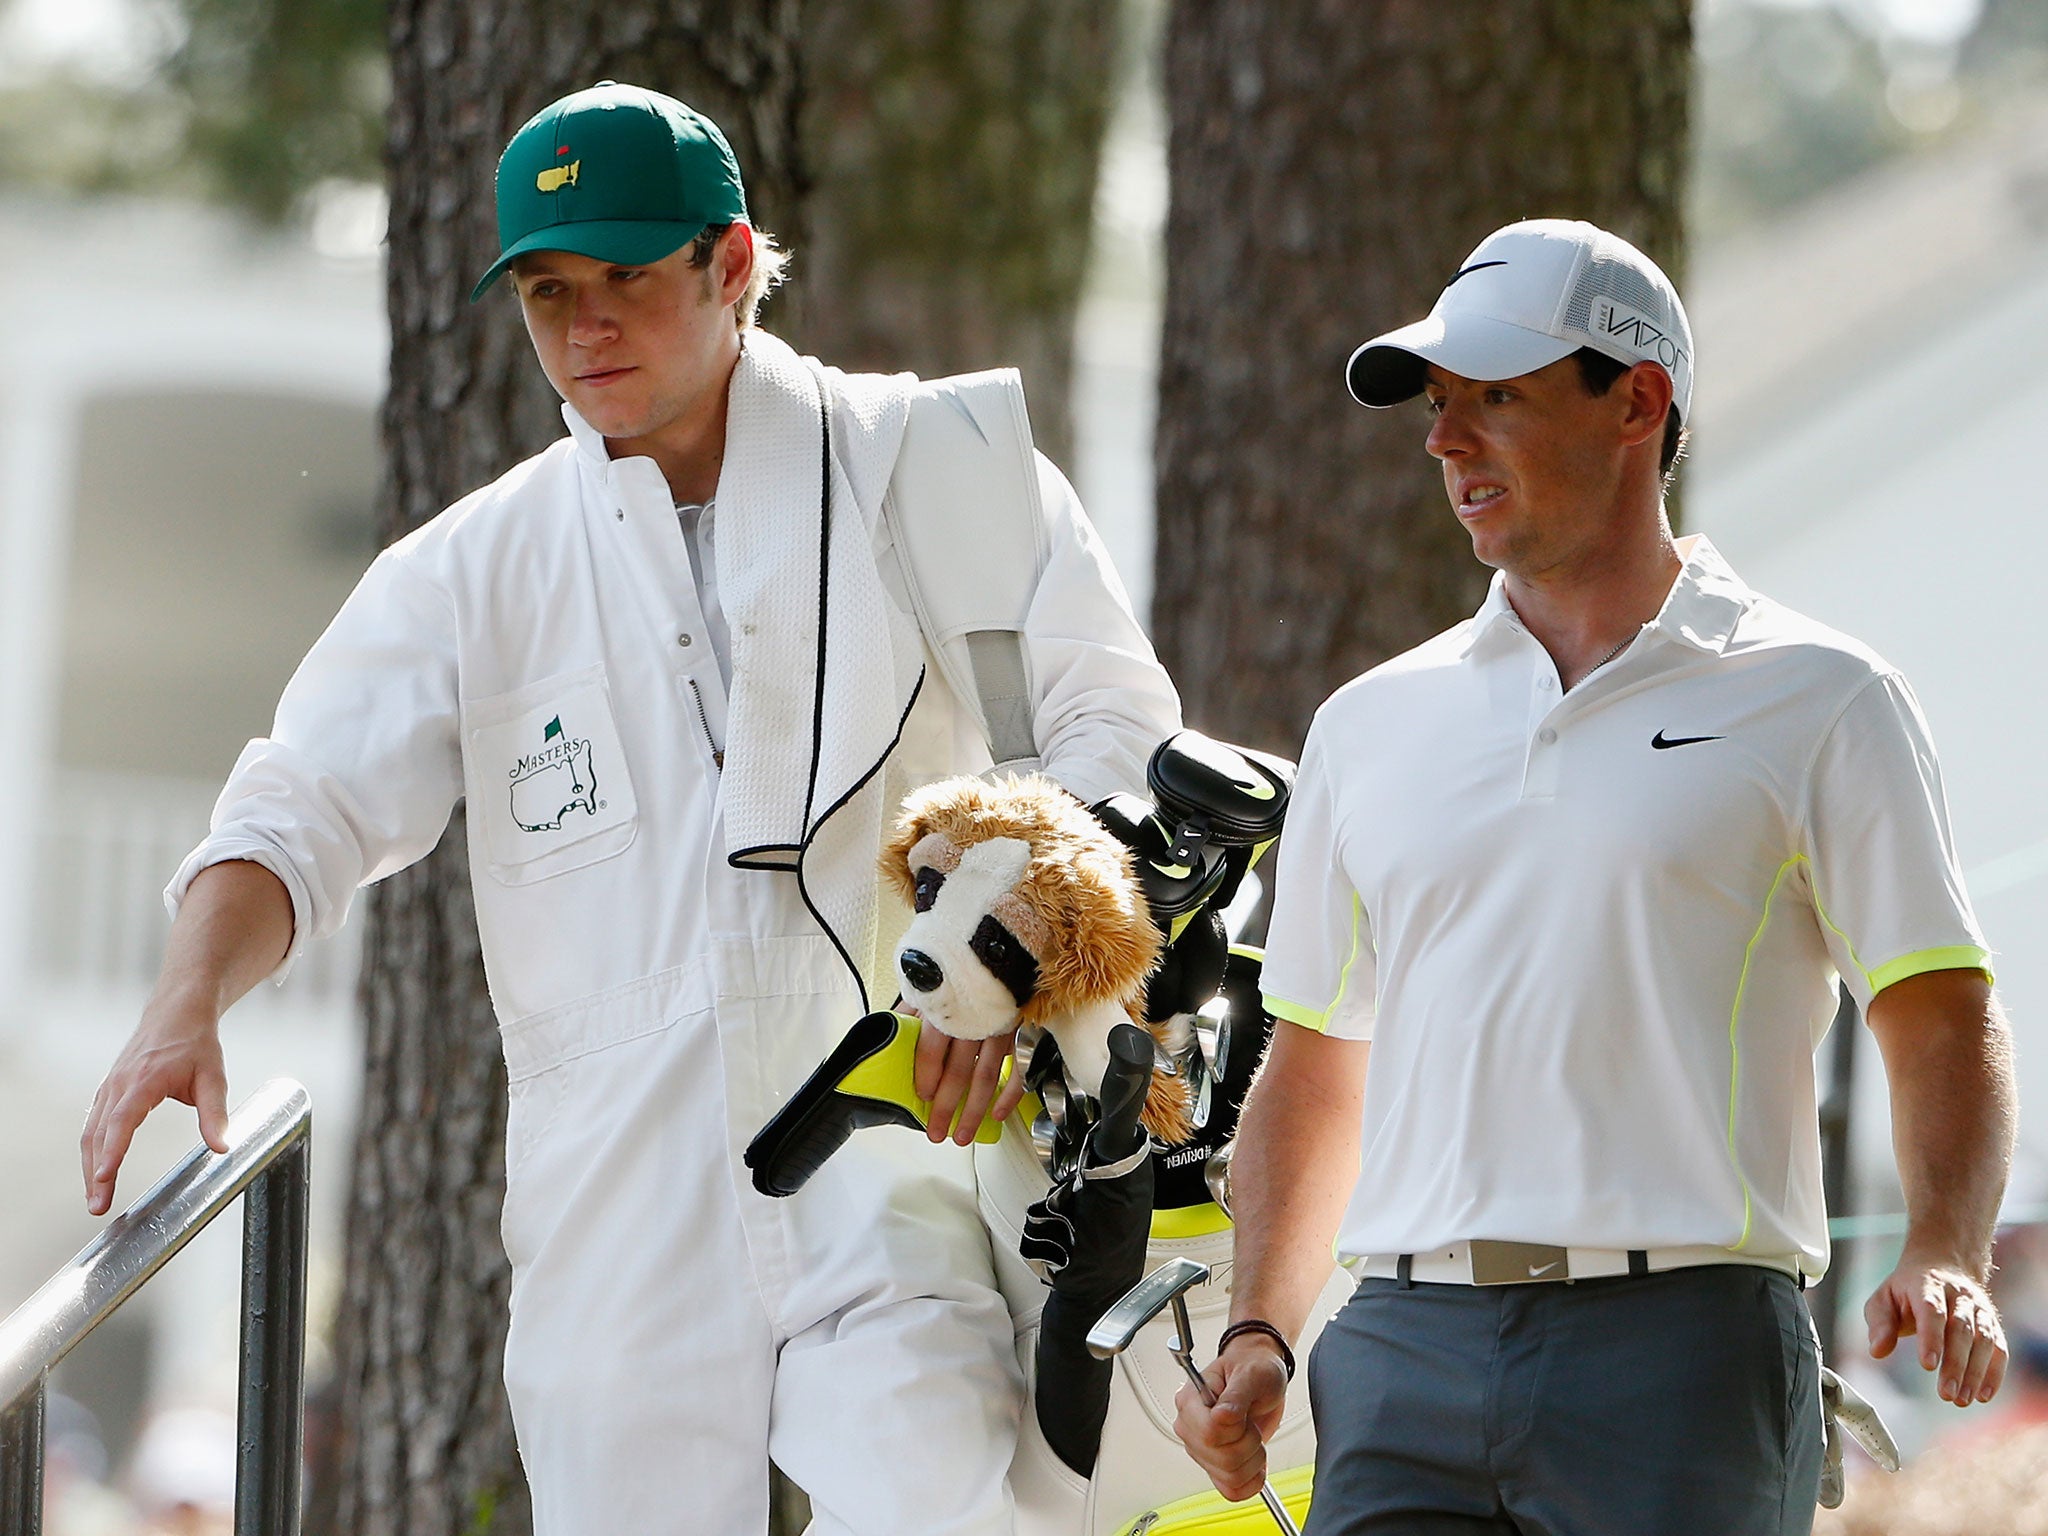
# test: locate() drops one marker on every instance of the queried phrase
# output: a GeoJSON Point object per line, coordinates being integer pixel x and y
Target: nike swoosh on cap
{"type": "Point", "coordinates": [1538, 1271]}
{"type": "Point", "coordinates": [1662, 742]}
{"type": "Point", "coordinates": [1477, 266]}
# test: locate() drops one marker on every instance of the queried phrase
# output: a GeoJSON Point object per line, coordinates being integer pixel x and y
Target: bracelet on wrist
{"type": "Point", "coordinates": [1259, 1325]}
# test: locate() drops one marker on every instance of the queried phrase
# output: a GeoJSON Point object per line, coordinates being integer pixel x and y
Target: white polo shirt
{"type": "Point", "coordinates": [1593, 935]}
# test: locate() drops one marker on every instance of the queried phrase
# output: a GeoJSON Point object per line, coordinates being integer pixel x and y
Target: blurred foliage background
{"type": "Point", "coordinates": [276, 106]}
{"type": "Point", "coordinates": [258, 104]}
{"type": "Point", "coordinates": [1795, 99]}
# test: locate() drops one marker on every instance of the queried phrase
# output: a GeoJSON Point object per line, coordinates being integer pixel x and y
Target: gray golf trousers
{"type": "Point", "coordinates": [1683, 1403]}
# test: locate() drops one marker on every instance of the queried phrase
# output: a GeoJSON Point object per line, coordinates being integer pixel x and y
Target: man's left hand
{"type": "Point", "coordinates": [1954, 1319]}
{"type": "Point", "coordinates": [963, 1074]}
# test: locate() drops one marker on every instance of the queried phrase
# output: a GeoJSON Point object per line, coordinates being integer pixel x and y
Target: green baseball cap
{"type": "Point", "coordinates": [616, 173]}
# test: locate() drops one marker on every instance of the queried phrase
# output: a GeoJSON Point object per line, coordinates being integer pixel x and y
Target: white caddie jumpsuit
{"type": "Point", "coordinates": [539, 649]}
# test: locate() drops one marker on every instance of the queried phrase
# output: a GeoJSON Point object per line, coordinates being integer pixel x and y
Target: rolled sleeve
{"type": "Point", "coordinates": [1102, 701]}
{"type": "Point", "coordinates": [363, 765]}
{"type": "Point", "coordinates": [1320, 967]}
{"type": "Point", "coordinates": [1887, 888]}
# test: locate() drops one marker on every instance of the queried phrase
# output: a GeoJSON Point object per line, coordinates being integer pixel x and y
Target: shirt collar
{"type": "Point", "coordinates": [1703, 607]}
{"type": "Point", "coordinates": [636, 481]}
{"type": "Point", "coordinates": [1706, 601]}
{"type": "Point", "coordinates": [589, 440]}
{"type": "Point", "coordinates": [1494, 614]}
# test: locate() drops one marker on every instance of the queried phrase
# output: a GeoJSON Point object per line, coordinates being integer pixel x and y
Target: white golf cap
{"type": "Point", "coordinates": [1533, 293]}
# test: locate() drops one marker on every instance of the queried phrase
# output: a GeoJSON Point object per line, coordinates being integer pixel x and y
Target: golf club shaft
{"type": "Point", "coordinates": [1279, 1511]}
{"type": "Point", "coordinates": [1194, 1374]}
{"type": "Point", "coordinates": [1271, 1499]}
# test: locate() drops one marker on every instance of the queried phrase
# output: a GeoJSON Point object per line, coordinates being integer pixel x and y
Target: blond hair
{"type": "Point", "coordinates": [771, 265]}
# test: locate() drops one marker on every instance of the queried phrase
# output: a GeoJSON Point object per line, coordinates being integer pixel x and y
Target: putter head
{"type": "Point", "coordinates": [1116, 1328]}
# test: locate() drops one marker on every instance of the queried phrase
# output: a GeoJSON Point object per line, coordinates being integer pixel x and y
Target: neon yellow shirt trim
{"type": "Point", "coordinates": [1735, 1042]}
{"type": "Point", "coordinates": [1309, 1018]}
{"type": "Point", "coordinates": [1295, 1013]}
{"type": "Point", "coordinates": [1956, 957]}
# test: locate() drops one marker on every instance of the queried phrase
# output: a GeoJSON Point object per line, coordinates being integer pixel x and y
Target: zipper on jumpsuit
{"type": "Point", "coordinates": [704, 721]}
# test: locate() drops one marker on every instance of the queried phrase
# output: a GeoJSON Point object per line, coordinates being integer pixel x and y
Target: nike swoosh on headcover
{"type": "Point", "coordinates": [1477, 266]}
{"type": "Point", "coordinates": [1662, 742]}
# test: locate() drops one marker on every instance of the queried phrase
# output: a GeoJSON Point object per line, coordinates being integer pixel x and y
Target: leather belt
{"type": "Point", "coordinates": [1481, 1262]}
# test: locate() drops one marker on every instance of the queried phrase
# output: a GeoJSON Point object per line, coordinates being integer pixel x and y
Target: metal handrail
{"type": "Point", "coordinates": [269, 1144]}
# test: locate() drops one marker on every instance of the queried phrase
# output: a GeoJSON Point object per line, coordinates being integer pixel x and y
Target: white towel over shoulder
{"type": "Point", "coordinates": [825, 665]}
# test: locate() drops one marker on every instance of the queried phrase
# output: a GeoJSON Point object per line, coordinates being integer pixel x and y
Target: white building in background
{"type": "Point", "coordinates": [1871, 421]}
{"type": "Point", "coordinates": [188, 466]}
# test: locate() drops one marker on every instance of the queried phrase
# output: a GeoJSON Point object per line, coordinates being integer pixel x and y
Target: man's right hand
{"type": "Point", "coordinates": [173, 1054]}
{"type": "Point", "coordinates": [232, 929]}
{"type": "Point", "coordinates": [1228, 1441]}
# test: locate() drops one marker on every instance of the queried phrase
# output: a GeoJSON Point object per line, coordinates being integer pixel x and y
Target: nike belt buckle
{"type": "Point", "coordinates": [1516, 1263]}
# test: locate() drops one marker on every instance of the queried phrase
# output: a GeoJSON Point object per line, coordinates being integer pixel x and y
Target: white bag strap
{"type": "Point", "coordinates": [969, 531]}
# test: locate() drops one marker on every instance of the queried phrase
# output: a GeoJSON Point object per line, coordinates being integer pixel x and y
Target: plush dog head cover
{"type": "Point", "coordinates": [1019, 876]}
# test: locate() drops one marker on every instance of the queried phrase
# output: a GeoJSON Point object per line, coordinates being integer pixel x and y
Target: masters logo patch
{"type": "Point", "coordinates": [548, 776]}
{"type": "Point", "coordinates": [557, 177]}
{"type": "Point", "coordinates": [549, 784]}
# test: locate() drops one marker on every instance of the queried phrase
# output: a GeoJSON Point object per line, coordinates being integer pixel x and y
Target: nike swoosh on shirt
{"type": "Point", "coordinates": [1538, 1271]}
{"type": "Point", "coordinates": [1664, 743]}
{"type": "Point", "coordinates": [1477, 266]}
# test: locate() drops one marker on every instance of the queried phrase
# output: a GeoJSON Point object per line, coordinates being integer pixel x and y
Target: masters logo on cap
{"type": "Point", "coordinates": [1532, 295]}
{"type": "Point", "coordinates": [616, 173]}
{"type": "Point", "coordinates": [560, 176]}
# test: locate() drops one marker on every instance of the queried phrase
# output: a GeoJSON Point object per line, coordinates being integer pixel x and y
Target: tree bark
{"type": "Point", "coordinates": [955, 145]}
{"type": "Point", "coordinates": [427, 1440]}
{"type": "Point", "coordinates": [955, 148]}
{"type": "Point", "coordinates": [1330, 163]}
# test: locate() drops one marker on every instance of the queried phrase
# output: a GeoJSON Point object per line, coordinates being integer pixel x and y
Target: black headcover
{"type": "Point", "coordinates": [1090, 1232]}
{"type": "Point", "coordinates": [1170, 889]}
{"type": "Point", "coordinates": [1217, 795]}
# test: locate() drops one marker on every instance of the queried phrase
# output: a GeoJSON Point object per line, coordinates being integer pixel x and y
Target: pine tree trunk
{"type": "Point", "coordinates": [954, 147]}
{"type": "Point", "coordinates": [1331, 161]}
{"type": "Point", "coordinates": [422, 1326]}
{"type": "Point", "coordinates": [950, 205]}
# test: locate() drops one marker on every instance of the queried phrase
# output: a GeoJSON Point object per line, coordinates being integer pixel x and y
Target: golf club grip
{"type": "Point", "coordinates": [1118, 1133]}
{"type": "Point", "coordinates": [809, 1140]}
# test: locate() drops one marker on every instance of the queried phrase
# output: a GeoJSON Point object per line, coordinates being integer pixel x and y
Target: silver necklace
{"type": "Point", "coordinates": [1613, 653]}
{"type": "Point", "coordinates": [1625, 644]}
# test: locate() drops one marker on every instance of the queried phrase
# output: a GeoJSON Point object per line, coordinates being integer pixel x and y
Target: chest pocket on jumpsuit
{"type": "Point", "coordinates": [548, 777]}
